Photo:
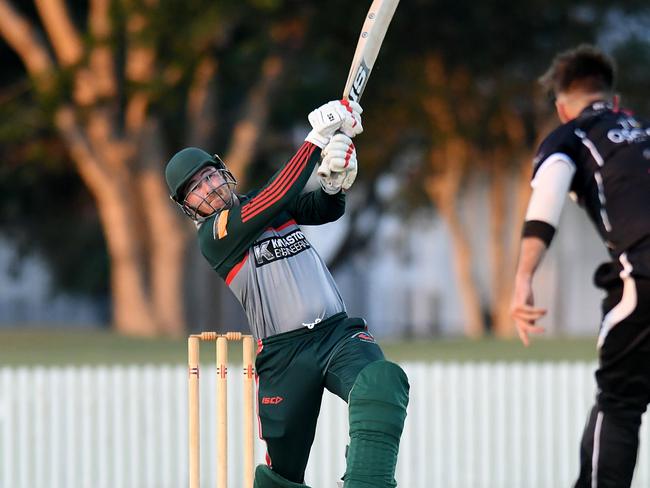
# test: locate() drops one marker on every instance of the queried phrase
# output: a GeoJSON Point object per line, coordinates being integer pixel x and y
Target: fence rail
{"type": "Point", "coordinates": [468, 426]}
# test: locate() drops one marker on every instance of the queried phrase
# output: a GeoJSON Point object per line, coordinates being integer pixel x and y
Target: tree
{"type": "Point", "coordinates": [468, 79]}
{"type": "Point", "coordinates": [128, 82]}
{"type": "Point", "coordinates": [108, 86]}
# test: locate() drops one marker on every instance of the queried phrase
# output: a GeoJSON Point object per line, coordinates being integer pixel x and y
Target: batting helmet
{"type": "Point", "coordinates": [185, 164]}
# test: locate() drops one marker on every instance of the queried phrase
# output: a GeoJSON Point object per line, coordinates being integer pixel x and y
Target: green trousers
{"type": "Point", "coordinates": [293, 369]}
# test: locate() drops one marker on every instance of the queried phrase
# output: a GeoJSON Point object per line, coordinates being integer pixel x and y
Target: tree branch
{"type": "Point", "coordinates": [201, 121]}
{"type": "Point", "coordinates": [88, 165]}
{"type": "Point", "coordinates": [23, 38]}
{"type": "Point", "coordinates": [288, 37]}
{"type": "Point", "coordinates": [65, 39]}
{"type": "Point", "coordinates": [247, 132]}
{"type": "Point", "coordinates": [140, 60]}
{"type": "Point", "coordinates": [101, 56]}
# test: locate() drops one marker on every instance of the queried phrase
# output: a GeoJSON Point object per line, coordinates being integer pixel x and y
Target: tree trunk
{"type": "Point", "coordinates": [498, 250]}
{"type": "Point", "coordinates": [131, 312]}
{"type": "Point", "coordinates": [120, 160]}
{"type": "Point", "coordinates": [443, 190]}
{"type": "Point", "coordinates": [462, 255]}
{"type": "Point", "coordinates": [167, 237]}
{"type": "Point", "coordinates": [504, 326]}
{"type": "Point", "coordinates": [505, 235]}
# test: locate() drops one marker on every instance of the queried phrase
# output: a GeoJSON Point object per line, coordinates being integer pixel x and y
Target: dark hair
{"type": "Point", "coordinates": [584, 68]}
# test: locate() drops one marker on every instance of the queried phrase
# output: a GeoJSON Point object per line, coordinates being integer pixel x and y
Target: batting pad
{"type": "Point", "coordinates": [377, 410]}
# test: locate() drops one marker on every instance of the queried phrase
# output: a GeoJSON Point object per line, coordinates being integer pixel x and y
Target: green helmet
{"type": "Point", "coordinates": [183, 165]}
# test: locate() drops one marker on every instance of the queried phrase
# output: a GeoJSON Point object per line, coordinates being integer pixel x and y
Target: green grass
{"type": "Point", "coordinates": [32, 347]}
{"type": "Point", "coordinates": [492, 350]}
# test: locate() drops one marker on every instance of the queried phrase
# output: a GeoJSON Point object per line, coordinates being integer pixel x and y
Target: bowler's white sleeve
{"type": "Point", "coordinates": [550, 186]}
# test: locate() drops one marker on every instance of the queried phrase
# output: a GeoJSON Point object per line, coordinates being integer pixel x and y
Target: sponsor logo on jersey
{"type": "Point", "coordinates": [275, 248]}
{"type": "Point", "coordinates": [618, 136]}
{"type": "Point", "coordinates": [272, 400]}
{"type": "Point", "coordinates": [630, 131]}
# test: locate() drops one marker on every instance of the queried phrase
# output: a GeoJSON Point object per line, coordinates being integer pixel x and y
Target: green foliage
{"type": "Point", "coordinates": [633, 59]}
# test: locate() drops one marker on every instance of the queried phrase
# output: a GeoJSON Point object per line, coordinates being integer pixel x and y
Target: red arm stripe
{"type": "Point", "coordinates": [278, 183]}
{"type": "Point", "coordinates": [261, 204]}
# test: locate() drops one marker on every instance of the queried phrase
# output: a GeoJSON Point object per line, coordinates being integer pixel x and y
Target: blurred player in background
{"type": "Point", "coordinates": [601, 156]}
{"type": "Point", "coordinates": [306, 341]}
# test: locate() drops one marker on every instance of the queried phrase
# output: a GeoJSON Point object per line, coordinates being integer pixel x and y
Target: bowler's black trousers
{"type": "Point", "coordinates": [611, 437]}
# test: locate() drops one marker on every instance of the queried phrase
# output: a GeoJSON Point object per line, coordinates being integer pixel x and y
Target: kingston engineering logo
{"type": "Point", "coordinates": [275, 248]}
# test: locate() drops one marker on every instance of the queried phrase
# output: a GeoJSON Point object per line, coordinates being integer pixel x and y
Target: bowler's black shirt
{"type": "Point", "coordinates": [610, 150]}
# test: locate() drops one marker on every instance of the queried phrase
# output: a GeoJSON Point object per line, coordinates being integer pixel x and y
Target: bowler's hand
{"type": "Point", "coordinates": [524, 312]}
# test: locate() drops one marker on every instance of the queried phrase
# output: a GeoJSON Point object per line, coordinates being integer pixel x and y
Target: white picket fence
{"type": "Point", "coordinates": [468, 426]}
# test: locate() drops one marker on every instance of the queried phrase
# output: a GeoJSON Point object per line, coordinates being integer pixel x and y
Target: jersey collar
{"type": "Point", "coordinates": [596, 108]}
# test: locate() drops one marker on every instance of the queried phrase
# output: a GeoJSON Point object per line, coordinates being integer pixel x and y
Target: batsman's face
{"type": "Point", "coordinates": [208, 192]}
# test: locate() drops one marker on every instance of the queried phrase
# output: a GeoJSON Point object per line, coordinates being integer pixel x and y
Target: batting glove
{"type": "Point", "coordinates": [351, 125]}
{"type": "Point", "coordinates": [338, 168]}
{"type": "Point", "coordinates": [332, 117]}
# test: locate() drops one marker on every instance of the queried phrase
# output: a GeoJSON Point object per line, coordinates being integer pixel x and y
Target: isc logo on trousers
{"type": "Point", "coordinates": [272, 400]}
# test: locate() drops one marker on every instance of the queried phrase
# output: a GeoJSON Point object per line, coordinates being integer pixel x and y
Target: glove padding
{"type": "Point", "coordinates": [338, 168]}
{"type": "Point", "coordinates": [340, 115]}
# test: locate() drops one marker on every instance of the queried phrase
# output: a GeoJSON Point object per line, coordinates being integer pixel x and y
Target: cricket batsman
{"type": "Point", "coordinates": [306, 341]}
{"type": "Point", "coordinates": [601, 155]}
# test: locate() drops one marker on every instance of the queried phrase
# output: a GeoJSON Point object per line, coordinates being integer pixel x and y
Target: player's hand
{"type": "Point", "coordinates": [334, 116]}
{"type": "Point", "coordinates": [338, 168]}
{"type": "Point", "coordinates": [351, 125]}
{"type": "Point", "coordinates": [524, 312]}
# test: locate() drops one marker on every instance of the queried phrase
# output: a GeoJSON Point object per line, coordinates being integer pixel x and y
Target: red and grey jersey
{"type": "Point", "coordinates": [609, 152]}
{"type": "Point", "coordinates": [258, 248]}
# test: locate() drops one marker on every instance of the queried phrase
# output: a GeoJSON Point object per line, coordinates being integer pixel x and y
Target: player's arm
{"type": "Point", "coordinates": [318, 207]}
{"type": "Point", "coordinates": [285, 186]}
{"type": "Point", "coordinates": [551, 183]}
{"type": "Point", "coordinates": [522, 308]}
{"type": "Point", "coordinates": [337, 172]}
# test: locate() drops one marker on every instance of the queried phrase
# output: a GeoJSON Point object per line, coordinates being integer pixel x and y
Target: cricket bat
{"type": "Point", "coordinates": [372, 35]}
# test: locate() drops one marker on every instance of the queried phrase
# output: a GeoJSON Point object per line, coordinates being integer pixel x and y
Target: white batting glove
{"type": "Point", "coordinates": [351, 126]}
{"type": "Point", "coordinates": [331, 117]}
{"type": "Point", "coordinates": [338, 168]}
